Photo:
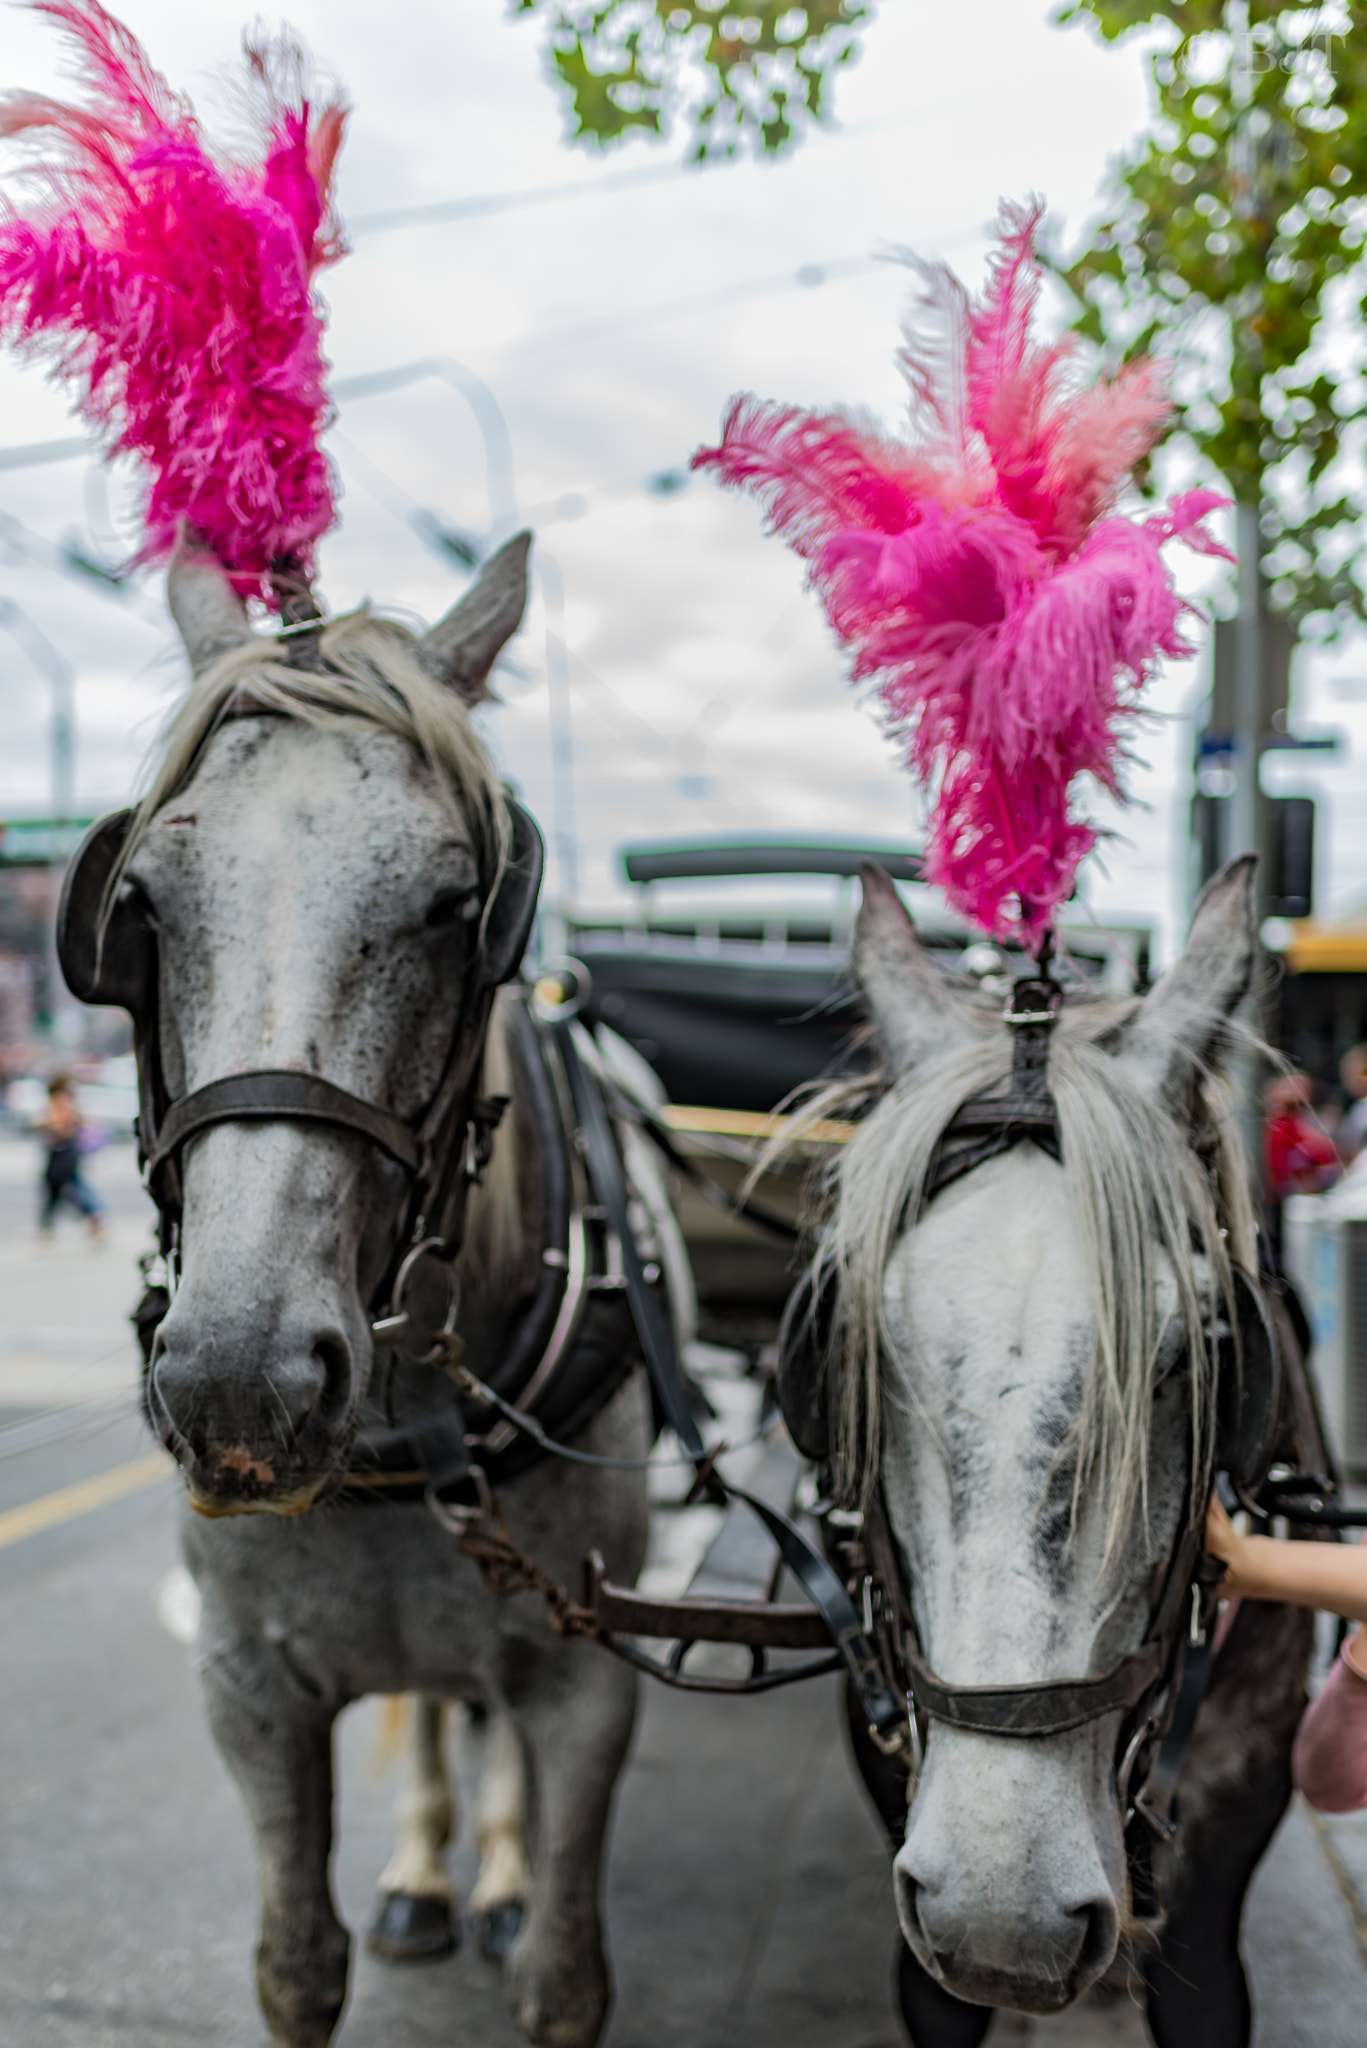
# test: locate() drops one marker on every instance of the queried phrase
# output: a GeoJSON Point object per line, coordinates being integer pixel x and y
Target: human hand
{"type": "Point", "coordinates": [1223, 1539]}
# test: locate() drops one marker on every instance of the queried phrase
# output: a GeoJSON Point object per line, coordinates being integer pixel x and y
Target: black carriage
{"type": "Point", "coordinates": [730, 976]}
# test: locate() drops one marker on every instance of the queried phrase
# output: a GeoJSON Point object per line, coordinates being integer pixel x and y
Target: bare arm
{"type": "Point", "coordinates": [1327, 1575]}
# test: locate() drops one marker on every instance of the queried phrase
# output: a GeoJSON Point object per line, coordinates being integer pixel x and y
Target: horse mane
{"type": "Point", "coordinates": [1140, 1181]}
{"type": "Point", "coordinates": [372, 677]}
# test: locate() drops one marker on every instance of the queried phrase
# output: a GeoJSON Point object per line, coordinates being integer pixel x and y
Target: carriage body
{"type": "Point", "coordinates": [729, 973]}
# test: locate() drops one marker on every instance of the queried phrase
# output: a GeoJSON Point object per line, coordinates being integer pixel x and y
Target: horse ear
{"type": "Point", "coordinates": [911, 1002]}
{"type": "Point", "coordinates": [461, 649]}
{"type": "Point", "coordinates": [1179, 1026]}
{"type": "Point", "coordinates": [210, 614]}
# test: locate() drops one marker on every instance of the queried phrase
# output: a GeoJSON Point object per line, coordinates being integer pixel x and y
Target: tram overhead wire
{"type": "Point", "coordinates": [483, 205]}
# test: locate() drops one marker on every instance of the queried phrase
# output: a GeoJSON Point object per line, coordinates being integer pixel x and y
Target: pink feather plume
{"type": "Point", "coordinates": [981, 574]}
{"type": "Point", "coordinates": [174, 289]}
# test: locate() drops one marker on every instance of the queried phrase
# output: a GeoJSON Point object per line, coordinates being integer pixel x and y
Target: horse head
{"type": "Point", "coordinates": [316, 864]}
{"type": "Point", "coordinates": [1027, 1361]}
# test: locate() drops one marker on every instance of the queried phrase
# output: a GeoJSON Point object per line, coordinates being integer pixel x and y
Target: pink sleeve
{"type": "Point", "coordinates": [1329, 1761]}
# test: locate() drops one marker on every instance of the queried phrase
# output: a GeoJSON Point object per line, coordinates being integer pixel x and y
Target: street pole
{"type": "Point", "coordinates": [564, 824]}
{"type": "Point", "coordinates": [1244, 835]}
{"type": "Point", "coordinates": [61, 678]}
{"type": "Point", "coordinates": [1245, 808]}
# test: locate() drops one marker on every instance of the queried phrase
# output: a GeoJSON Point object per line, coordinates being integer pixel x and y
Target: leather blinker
{"type": "Point", "coordinates": [508, 925]}
{"type": "Point", "coordinates": [106, 958]}
{"type": "Point", "coordinates": [1248, 1388]}
{"type": "Point", "coordinates": [112, 959]}
{"type": "Point", "coordinates": [803, 1345]}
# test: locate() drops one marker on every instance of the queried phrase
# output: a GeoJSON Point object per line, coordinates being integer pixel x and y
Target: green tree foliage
{"type": "Point", "coordinates": [1233, 245]}
{"type": "Point", "coordinates": [737, 72]}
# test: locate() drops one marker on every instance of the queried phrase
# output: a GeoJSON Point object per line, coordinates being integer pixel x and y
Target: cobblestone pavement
{"type": "Point", "coordinates": [749, 1902]}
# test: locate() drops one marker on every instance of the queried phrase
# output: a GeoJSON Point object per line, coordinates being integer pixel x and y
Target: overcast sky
{"type": "Point", "coordinates": [612, 325]}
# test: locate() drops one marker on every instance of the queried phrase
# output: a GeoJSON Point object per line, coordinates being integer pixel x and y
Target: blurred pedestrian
{"type": "Point", "coordinates": [1298, 1152]}
{"type": "Point", "coordinates": [1299, 1156]}
{"type": "Point", "coordinates": [1351, 1134]}
{"type": "Point", "coordinates": [62, 1129]}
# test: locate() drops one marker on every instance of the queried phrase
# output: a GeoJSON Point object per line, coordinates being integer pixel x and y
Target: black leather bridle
{"type": "Point", "coordinates": [108, 954]}
{"type": "Point", "coordinates": [1158, 1688]}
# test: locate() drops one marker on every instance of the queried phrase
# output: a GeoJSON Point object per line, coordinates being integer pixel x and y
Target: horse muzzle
{"type": "Point", "coordinates": [1005, 1889]}
{"type": "Point", "coordinates": [256, 1429]}
{"type": "Point", "coordinates": [1037, 1959]}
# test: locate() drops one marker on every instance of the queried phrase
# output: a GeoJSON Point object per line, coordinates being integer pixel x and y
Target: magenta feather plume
{"type": "Point", "coordinates": [982, 576]}
{"type": "Point", "coordinates": [173, 288]}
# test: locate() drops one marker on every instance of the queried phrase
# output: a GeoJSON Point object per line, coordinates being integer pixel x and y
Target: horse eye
{"type": "Point", "coordinates": [451, 906]}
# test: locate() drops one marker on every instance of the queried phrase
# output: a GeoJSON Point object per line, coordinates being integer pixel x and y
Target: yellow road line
{"type": "Point", "coordinates": [1340, 1873]}
{"type": "Point", "coordinates": [83, 1498]}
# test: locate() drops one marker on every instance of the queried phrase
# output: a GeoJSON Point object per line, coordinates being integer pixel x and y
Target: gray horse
{"type": "Point", "coordinates": [317, 848]}
{"type": "Point", "coordinates": [1025, 1363]}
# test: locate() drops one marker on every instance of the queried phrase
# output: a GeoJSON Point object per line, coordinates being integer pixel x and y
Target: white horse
{"type": "Point", "coordinates": [1024, 1362]}
{"type": "Point", "coordinates": [314, 862]}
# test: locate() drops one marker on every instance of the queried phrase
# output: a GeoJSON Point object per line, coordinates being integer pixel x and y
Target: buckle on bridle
{"type": "Point", "coordinates": [1031, 1013]}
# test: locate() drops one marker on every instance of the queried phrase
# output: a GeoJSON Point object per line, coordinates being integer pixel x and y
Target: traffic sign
{"type": "Point", "coordinates": [28, 842]}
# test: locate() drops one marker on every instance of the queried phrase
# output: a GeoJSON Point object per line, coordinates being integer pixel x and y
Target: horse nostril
{"type": "Point", "coordinates": [907, 1892]}
{"type": "Point", "coordinates": [1100, 1924]}
{"type": "Point", "coordinates": [331, 1358]}
{"type": "Point", "coordinates": [175, 1412]}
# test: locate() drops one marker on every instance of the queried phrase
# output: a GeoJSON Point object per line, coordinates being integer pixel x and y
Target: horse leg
{"type": "Point", "coordinates": [498, 1901]}
{"type": "Point", "coordinates": [1197, 1990]}
{"type": "Point", "coordinates": [275, 1735]}
{"type": "Point", "coordinates": [415, 1918]}
{"type": "Point", "coordinates": [932, 2017]}
{"type": "Point", "coordinates": [573, 1709]}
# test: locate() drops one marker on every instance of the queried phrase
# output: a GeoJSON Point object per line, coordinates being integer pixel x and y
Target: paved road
{"type": "Point", "coordinates": [749, 1902]}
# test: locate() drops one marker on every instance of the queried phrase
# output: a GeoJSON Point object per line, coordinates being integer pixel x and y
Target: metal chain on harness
{"type": "Point", "coordinates": [505, 1570]}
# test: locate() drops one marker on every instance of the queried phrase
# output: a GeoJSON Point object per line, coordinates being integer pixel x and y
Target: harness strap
{"type": "Point", "coordinates": [1156, 1798]}
{"type": "Point", "coordinates": [274, 1092]}
{"type": "Point", "coordinates": [884, 1711]}
{"type": "Point", "coordinates": [438, 1437]}
{"type": "Point", "coordinates": [652, 1325]}
{"type": "Point", "coordinates": [1043, 1707]}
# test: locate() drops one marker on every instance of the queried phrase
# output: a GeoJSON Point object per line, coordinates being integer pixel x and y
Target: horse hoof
{"type": "Point", "coordinates": [409, 1928]}
{"type": "Point", "coordinates": [497, 1929]}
